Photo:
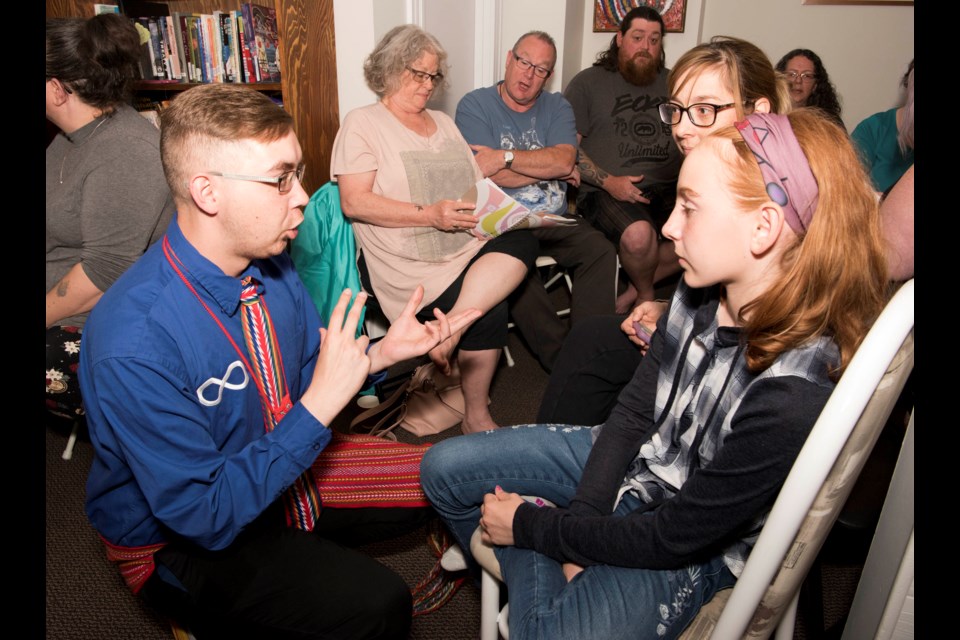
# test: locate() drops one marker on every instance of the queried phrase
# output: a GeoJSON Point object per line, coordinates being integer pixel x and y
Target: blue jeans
{"type": "Point", "coordinates": [603, 602]}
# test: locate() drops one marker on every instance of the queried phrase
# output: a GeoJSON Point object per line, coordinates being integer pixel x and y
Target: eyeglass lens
{"type": "Point", "coordinates": [793, 76]}
{"type": "Point", "coordinates": [285, 184]}
{"type": "Point", "coordinates": [540, 72]}
{"type": "Point", "coordinates": [702, 114]}
{"type": "Point", "coordinates": [423, 76]}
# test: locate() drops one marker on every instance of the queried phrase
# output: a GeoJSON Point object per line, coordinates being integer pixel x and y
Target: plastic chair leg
{"type": "Point", "coordinates": [489, 606]}
{"type": "Point", "coordinates": [71, 441]}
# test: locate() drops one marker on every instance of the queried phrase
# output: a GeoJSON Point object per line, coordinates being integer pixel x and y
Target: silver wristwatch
{"type": "Point", "coordinates": [508, 158]}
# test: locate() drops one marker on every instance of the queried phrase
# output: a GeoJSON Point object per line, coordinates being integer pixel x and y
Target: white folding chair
{"type": "Point", "coordinates": [546, 262]}
{"type": "Point", "coordinates": [764, 598]}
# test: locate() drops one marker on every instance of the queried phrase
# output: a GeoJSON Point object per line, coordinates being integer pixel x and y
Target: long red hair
{"type": "Point", "coordinates": [833, 279]}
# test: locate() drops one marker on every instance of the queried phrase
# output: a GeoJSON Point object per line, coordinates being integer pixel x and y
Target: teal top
{"type": "Point", "coordinates": [876, 140]}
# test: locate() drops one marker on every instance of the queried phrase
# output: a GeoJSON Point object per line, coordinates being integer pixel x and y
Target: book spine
{"type": "Point", "coordinates": [265, 30]}
{"type": "Point", "coordinates": [226, 51]}
{"type": "Point", "coordinates": [250, 38]}
{"type": "Point", "coordinates": [247, 61]}
{"type": "Point", "coordinates": [235, 47]}
{"type": "Point", "coordinates": [157, 49]}
{"type": "Point", "coordinates": [183, 23]}
{"type": "Point", "coordinates": [197, 47]}
{"type": "Point", "coordinates": [216, 46]}
{"type": "Point", "coordinates": [206, 37]}
{"type": "Point", "coordinates": [172, 54]}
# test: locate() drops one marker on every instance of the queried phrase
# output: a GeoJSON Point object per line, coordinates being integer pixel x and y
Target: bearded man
{"type": "Point", "coordinates": [628, 162]}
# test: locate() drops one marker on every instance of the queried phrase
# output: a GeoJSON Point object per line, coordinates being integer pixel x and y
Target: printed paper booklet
{"type": "Point", "coordinates": [498, 213]}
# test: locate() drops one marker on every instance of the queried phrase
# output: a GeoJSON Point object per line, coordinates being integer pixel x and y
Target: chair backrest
{"type": "Point", "coordinates": [325, 251]}
{"type": "Point", "coordinates": [819, 482]}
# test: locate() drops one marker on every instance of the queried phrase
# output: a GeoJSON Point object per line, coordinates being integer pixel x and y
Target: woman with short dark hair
{"type": "Point", "coordinates": [106, 195]}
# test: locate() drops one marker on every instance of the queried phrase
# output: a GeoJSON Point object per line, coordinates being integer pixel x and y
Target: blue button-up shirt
{"type": "Point", "coordinates": [174, 416]}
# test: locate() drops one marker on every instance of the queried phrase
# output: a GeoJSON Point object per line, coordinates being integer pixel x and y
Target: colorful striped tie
{"type": "Point", "coordinates": [301, 499]}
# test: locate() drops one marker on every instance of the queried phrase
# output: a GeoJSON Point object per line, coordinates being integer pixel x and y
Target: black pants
{"type": "Point", "coordinates": [282, 583]}
{"type": "Point", "coordinates": [63, 358]}
{"type": "Point", "coordinates": [597, 360]}
{"type": "Point", "coordinates": [489, 331]}
{"type": "Point", "coordinates": [593, 262]}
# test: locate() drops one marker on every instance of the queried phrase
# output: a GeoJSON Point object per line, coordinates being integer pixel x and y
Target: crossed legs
{"type": "Point", "coordinates": [496, 271]}
{"type": "Point", "coordinates": [487, 283]}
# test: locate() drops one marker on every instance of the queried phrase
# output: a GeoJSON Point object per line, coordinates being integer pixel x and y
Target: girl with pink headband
{"type": "Point", "coordinates": [777, 230]}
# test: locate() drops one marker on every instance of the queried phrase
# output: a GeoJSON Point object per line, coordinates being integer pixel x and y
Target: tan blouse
{"type": "Point", "coordinates": [409, 168]}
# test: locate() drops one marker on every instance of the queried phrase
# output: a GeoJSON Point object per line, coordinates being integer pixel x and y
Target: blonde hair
{"type": "Point", "coordinates": [743, 66]}
{"type": "Point", "coordinates": [203, 120]}
{"type": "Point", "coordinates": [833, 278]}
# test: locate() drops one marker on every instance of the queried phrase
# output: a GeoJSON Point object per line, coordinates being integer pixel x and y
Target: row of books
{"type": "Point", "coordinates": [151, 107]}
{"type": "Point", "coordinates": [225, 46]}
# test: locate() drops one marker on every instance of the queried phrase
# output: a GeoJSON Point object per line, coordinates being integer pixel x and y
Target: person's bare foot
{"type": "Point", "coordinates": [627, 299]}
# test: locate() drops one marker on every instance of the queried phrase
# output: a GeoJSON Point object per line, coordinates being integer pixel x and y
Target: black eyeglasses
{"type": "Point", "coordinates": [284, 181]}
{"type": "Point", "coordinates": [793, 76]}
{"type": "Point", "coordinates": [423, 76]}
{"type": "Point", "coordinates": [523, 65]}
{"type": "Point", "coordinates": [702, 114]}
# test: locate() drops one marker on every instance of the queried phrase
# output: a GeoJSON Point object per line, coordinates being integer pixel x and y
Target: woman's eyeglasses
{"type": "Point", "coordinates": [423, 76]}
{"type": "Point", "coordinates": [793, 76]}
{"type": "Point", "coordinates": [701, 114]}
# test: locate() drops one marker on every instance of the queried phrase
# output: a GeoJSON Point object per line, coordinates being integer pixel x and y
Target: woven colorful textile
{"type": "Point", "coordinates": [355, 471]}
{"type": "Point", "coordinates": [135, 563]}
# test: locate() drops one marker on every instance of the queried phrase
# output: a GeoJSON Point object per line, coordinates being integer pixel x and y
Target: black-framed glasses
{"type": "Point", "coordinates": [423, 76]}
{"type": "Point", "coordinates": [793, 76]}
{"type": "Point", "coordinates": [701, 114]}
{"type": "Point", "coordinates": [523, 64]}
{"type": "Point", "coordinates": [284, 181]}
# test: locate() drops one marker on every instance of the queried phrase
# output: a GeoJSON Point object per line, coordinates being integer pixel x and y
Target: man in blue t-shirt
{"type": "Point", "coordinates": [525, 140]}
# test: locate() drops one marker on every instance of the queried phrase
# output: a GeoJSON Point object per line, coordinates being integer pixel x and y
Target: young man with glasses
{"type": "Point", "coordinates": [210, 383]}
{"type": "Point", "coordinates": [628, 162]}
{"type": "Point", "coordinates": [525, 140]}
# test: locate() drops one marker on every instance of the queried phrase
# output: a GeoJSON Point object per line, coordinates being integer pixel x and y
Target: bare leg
{"type": "Point", "coordinates": [639, 259]}
{"type": "Point", "coordinates": [488, 281]}
{"type": "Point", "coordinates": [476, 374]}
{"type": "Point", "coordinates": [668, 264]}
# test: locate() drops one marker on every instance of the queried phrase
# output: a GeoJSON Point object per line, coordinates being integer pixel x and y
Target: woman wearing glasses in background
{"type": "Point", "coordinates": [711, 86]}
{"type": "Point", "coordinates": [809, 82]}
{"type": "Point", "coordinates": [401, 168]}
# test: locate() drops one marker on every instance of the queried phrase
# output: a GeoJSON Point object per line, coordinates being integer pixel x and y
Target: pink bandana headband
{"type": "Point", "coordinates": [785, 170]}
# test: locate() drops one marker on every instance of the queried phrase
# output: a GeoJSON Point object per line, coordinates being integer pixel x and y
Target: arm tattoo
{"type": "Point", "coordinates": [590, 172]}
{"type": "Point", "coordinates": [62, 288]}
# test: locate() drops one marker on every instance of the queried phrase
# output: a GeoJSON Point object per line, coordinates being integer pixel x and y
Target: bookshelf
{"type": "Point", "coordinates": [308, 84]}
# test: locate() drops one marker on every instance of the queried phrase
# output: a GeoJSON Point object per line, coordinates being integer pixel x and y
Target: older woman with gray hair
{"type": "Point", "coordinates": [401, 169]}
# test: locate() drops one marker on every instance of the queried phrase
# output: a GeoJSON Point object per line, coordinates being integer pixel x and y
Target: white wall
{"type": "Point", "coordinates": [354, 39]}
{"type": "Point", "coordinates": [520, 16]}
{"type": "Point", "coordinates": [865, 48]}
